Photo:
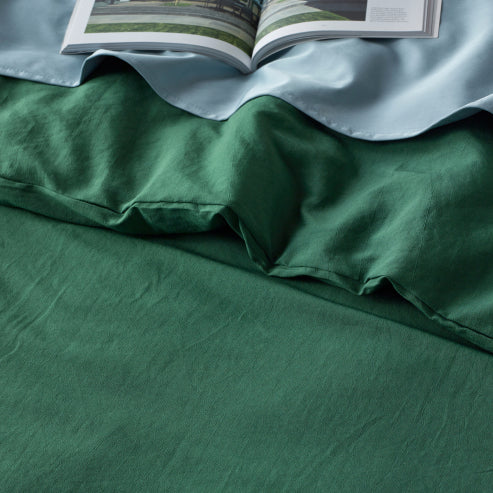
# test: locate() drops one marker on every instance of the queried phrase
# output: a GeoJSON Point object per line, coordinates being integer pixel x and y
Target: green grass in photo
{"type": "Point", "coordinates": [126, 27]}
{"type": "Point", "coordinates": [299, 18]}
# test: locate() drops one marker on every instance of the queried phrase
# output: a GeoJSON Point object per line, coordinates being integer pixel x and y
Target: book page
{"type": "Point", "coordinates": [209, 25]}
{"type": "Point", "coordinates": [318, 19]}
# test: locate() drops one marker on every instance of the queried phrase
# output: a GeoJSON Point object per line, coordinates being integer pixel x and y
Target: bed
{"type": "Point", "coordinates": [259, 304]}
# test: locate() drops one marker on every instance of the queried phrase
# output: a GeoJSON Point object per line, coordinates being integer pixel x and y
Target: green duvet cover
{"type": "Point", "coordinates": [144, 348]}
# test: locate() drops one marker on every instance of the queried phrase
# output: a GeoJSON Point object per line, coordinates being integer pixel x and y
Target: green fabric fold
{"type": "Point", "coordinates": [173, 364]}
{"type": "Point", "coordinates": [305, 200]}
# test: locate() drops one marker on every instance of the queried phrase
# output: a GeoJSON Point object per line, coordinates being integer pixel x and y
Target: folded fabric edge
{"type": "Point", "coordinates": [483, 104]}
{"type": "Point", "coordinates": [140, 219]}
{"type": "Point", "coordinates": [474, 336]}
{"type": "Point", "coordinates": [93, 61]}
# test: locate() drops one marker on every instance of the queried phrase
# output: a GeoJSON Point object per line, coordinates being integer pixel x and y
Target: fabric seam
{"type": "Point", "coordinates": [273, 263]}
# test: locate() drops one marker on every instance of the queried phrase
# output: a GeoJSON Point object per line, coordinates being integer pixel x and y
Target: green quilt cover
{"type": "Point", "coordinates": [165, 360]}
{"type": "Point", "coordinates": [172, 364]}
{"type": "Point", "coordinates": [416, 214]}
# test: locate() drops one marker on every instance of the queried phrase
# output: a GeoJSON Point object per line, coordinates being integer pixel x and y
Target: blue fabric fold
{"type": "Point", "coordinates": [369, 89]}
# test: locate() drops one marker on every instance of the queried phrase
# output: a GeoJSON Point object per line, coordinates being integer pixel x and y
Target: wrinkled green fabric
{"type": "Point", "coordinates": [306, 201]}
{"type": "Point", "coordinates": [172, 364]}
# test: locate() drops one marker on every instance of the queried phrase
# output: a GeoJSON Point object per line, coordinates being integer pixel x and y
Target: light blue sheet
{"type": "Point", "coordinates": [370, 89]}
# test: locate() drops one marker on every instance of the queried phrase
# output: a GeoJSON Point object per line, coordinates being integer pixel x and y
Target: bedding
{"type": "Point", "coordinates": [305, 200]}
{"type": "Point", "coordinates": [135, 363]}
{"type": "Point", "coordinates": [368, 89]}
{"type": "Point", "coordinates": [143, 345]}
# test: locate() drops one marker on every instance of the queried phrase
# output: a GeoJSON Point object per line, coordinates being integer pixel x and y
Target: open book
{"type": "Point", "coordinates": [241, 32]}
